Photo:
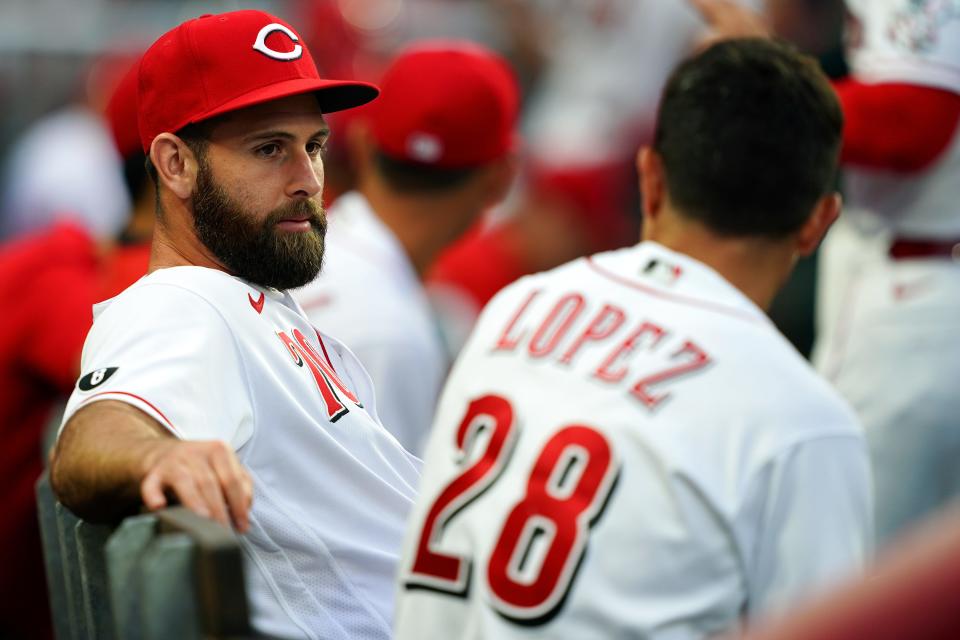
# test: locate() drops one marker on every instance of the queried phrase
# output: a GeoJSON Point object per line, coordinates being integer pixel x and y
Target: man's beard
{"type": "Point", "coordinates": [258, 251]}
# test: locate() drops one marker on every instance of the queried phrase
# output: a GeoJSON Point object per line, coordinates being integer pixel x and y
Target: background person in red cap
{"type": "Point", "coordinates": [205, 381]}
{"type": "Point", "coordinates": [433, 153]}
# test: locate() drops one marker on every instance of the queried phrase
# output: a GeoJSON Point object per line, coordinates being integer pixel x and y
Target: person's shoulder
{"type": "Point", "coordinates": [171, 292]}
{"type": "Point", "coordinates": [200, 280]}
{"type": "Point", "coordinates": [616, 269]}
{"type": "Point", "coordinates": [765, 402]}
{"type": "Point", "coordinates": [822, 402]}
{"type": "Point", "coordinates": [212, 286]}
{"type": "Point", "coordinates": [788, 390]}
{"type": "Point", "coordinates": [596, 276]}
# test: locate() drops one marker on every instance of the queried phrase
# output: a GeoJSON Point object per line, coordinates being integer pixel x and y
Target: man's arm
{"type": "Point", "coordinates": [111, 456]}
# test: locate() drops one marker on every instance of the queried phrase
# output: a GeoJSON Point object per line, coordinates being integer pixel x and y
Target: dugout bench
{"type": "Point", "coordinates": [168, 574]}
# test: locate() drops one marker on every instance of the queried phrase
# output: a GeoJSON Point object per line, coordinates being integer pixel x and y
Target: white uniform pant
{"type": "Point", "coordinates": [889, 340]}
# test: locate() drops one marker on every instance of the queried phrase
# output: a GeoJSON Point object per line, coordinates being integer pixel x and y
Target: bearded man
{"type": "Point", "coordinates": [205, 381]}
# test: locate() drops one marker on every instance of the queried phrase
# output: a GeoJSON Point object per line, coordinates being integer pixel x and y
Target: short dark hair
{"type": "Point", "coordinates": [749, 134]}
{"type": "Point", "coordinates": [409, 177]}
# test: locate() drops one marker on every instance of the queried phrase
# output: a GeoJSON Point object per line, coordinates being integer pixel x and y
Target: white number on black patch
{"type": "Point", "coordinates": [95, 378]}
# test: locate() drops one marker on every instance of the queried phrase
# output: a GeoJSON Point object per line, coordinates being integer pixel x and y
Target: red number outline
{"type": "Point", "coordinates": [450, 573]}
{"type": "Point", "coordinates": [578, 505]}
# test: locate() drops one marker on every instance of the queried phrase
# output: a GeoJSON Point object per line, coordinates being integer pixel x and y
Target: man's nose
{"type": "Point", "coordinates": [306, 179]}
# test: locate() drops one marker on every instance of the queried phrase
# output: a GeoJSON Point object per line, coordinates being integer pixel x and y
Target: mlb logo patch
{"type": "Point", "coordinates": [665, 273]}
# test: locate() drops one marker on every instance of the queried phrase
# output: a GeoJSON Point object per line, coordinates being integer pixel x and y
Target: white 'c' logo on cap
{"type": "Point", "coordinates": [261, 43]}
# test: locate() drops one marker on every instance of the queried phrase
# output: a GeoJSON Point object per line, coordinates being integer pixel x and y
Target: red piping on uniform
{"type": "Point", "coordinates": [133, 395]}
{"type": "Point", "coordinates": [730, 311]}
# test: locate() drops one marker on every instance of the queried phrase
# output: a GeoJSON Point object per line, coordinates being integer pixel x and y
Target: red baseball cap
{"type": "Point", "coordinates": [214, 64]}
{"type": "Point", "coordinates": [121, 114]}
{"type": "Point", "coordinates": [448, 104]}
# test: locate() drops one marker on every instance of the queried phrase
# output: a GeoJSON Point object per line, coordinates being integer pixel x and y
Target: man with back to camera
{"type": "Point", "coordinates": [626, 445]}
{"type": "Point", "coordinates": [204, 380]}
{"type": "Point", "coordinates": [425, 174]}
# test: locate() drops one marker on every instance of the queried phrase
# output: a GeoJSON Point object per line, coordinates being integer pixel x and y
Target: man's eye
{"type": "Point", "coordinates": [316, 148]}
{"type": "Point", "coordinates": [268, 150]}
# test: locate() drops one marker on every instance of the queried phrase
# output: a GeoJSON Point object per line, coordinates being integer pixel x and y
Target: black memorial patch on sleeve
{"type": "Point", "coordinates": [95, 378]}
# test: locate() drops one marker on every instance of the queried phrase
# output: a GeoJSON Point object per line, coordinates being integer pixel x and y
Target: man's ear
{"type": "Point", "coordinates": [498, 177]}
{"type": "Point", "coordinates": [825, 213]}
{"type": "Point", "coordinates": [176, 165]}
{"type": "Point", "coordinates": [653, 187]}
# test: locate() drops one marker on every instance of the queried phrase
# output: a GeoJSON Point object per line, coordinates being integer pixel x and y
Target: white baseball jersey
{"type": "Point", "coordinates": [212, 357]}
{"type": "Point", "coordinates": [912, 41]}
{"type": "Point", "coordinates": [627, 447]}
{"type": "Point", "coordinates": [370, 296]}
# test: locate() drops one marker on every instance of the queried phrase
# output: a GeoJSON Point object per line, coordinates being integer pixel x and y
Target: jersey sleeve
{"type": "Point", "coordinates": [168, 352]}
{"type": "Point", "coordinates": [814, 504]}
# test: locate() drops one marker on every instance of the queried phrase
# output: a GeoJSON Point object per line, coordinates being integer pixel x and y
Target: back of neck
{"type": "Point", "coordinates": [758, 267]}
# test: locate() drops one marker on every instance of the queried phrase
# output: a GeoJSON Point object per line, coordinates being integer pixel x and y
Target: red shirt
{"type": "Point", "coordinates": [48, 285]}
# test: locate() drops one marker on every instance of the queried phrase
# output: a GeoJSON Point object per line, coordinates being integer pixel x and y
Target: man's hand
{"type": "Point", "coordinates": [206, 477]}
{"type": "Point", "coordinates": [727, 19]}
{"type": "Point", "coordinates": [111, 456]}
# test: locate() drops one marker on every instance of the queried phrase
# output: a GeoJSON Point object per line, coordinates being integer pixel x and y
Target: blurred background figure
{"type": "Point", "coordinates": [591, 103]}
{"type": "Point", "coordinates": [66, 166]}
{"type": "Point", "coordinates": [433, 153]}
{"type": "Point", "coordinates": [591, 68]}
{"type": "Point", "coordinates": [888, 294]}
{"type": "Point", "coordinates": [911, 593]}
{"type": "Point", "coordinates": [51, 277]}
{"type": "Point", "coordinates": [584, 67]}
{"type": "Point", "coordinates": [889, 284]}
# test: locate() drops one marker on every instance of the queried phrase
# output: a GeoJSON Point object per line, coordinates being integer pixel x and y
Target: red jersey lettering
{"type": "Point", "coordinates": [556, 325]}
{"type": "Point", "coordinates": [602, 326]}
{"type": "Point", "coordinates": [327, 381]}
{"type": "Point", "coordinates": [697, 361]}
{"type": "Point", "coordinates": [506, 341]}
{"type": "Point", "coordinates": [605, 371]}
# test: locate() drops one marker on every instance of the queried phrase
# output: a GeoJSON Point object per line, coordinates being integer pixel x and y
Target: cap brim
{"type": "Point", "coordinates": [332, 95]}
